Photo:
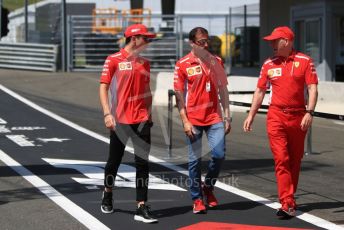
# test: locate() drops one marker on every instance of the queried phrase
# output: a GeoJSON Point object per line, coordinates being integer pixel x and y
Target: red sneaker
{"type": "Point", "coordinates": [198, 206]}
{"type": "Point", "coordinates": [210, 197]}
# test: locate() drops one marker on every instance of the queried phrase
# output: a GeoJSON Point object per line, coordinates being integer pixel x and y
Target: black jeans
{"type": "Point", "coordinates": [141, 137]}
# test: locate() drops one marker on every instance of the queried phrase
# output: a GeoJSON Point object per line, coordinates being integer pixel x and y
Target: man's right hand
{"type": "Point", "coordinates": [188, 129]}
{"type": "Point", "coordinates": [110, 122]}
{"type": "Point", "coordinates": [248, 124]}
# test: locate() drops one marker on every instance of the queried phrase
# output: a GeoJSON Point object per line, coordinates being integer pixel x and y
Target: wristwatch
{"type": "Point", "coordinates": [311, 112]}
{"type": "Point", "coordinates": [227, 119]}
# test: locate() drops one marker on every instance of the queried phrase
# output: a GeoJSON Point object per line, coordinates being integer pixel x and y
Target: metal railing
{"type": "Point", "coordinates": [87, 40]}
{"type": "Point", "coordinates": [28, 56]}
{"type": "Point", "coordinates": [309, 150]}
{"type": "Point", "coordinates": [88, 50]}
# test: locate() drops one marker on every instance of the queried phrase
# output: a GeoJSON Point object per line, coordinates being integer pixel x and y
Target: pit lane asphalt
{"type": "Point", "coordinates": [249, 165]}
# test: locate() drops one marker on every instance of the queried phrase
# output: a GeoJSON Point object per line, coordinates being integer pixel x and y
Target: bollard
{"type": "Point", "coordinates": [309, 141]}
{"type": "Point", "coordinates": [169, 121]}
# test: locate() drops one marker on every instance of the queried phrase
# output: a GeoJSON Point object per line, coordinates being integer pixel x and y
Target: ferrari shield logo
{"type": "Point", "coordinates": [296, 64]}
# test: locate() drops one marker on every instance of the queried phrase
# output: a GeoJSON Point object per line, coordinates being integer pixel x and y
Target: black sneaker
{"type": "Point", "coordinates": [144, 214]}
{"type": "Point", "coordinates": [107, 206]}
{"type": "Point", "coordinates": [287, 210]}
{"type": "Point", "coordinates": [286, 213]}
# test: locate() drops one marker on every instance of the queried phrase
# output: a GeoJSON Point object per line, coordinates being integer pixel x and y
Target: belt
{"type": "Point", "coordinates": [286, 109]}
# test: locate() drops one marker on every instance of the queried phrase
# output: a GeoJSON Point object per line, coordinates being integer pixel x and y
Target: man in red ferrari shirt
{"type": "Point", "coordinates": [128, 114]}
{"type": "Point", "coordinates": [291, 75]}
{"type": "Point", "coordinates": [199, 78]}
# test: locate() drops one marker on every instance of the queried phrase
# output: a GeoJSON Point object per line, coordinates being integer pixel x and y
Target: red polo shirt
{"type": "Point", "coordinates": [200, 82]}
{"type": "Point", "coordinates": [288, 78]}
{"type": "Point", "coordinates": [129, 79]}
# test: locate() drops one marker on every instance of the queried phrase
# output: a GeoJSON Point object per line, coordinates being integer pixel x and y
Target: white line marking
{"type": "Point", "coordinates": [94, 173]}
{"type": "Point", "coordinates": [93, 187]}
{"type": "Point", "coordinates": [2, 122]}
{"type": "Point", "coordinates": [27, 128]}
{"type": "Point", "coordinates": [21, 140]}
{"type": "Point", "coordinates": [303, 216]}
{"type": "Point", "coordinates": [74, 210]}
{"type": "Point", "coordinates": [339, 122]}
{"type": "Point", "coordinates": [3, 129]}
{"type": "Point", "coordinates": [53, 115]}
{"type": "Point", "coordinates": [55, 139]}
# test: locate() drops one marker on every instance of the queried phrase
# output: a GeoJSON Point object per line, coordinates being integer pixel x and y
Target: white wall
{"type": "Point", "coordinates": [209, 6]}
{"type": "Point", "coordinates": [330, 100]}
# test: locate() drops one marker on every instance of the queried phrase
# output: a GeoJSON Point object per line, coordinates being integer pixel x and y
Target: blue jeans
{"type": "Point", "coordinates": [216, 140]}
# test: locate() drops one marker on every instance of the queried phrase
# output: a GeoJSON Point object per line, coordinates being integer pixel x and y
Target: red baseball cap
{"type": "Point", "coordinates": [280, 32]}
{"type": "Point", "coordinates": [138, 29]}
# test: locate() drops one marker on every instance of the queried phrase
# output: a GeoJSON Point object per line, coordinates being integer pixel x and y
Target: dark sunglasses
{"type": "Point", "coordinates": [146, 39]}
{"type": "Point", "coordinates": [202, 42]}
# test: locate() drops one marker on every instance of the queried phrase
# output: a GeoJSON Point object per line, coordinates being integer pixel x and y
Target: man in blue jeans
{"type": "Point", "coordinates": [199, 78]}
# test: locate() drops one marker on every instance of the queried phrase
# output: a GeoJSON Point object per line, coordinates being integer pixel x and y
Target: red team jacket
{"type": "Point", "coordinates": [288, 79]}
{"type": "Point", "coordinates": [200, 82]}
{"type": "Point", "coordinates": [129, 79]}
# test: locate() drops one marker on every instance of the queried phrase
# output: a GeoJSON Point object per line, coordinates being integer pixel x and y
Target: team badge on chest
{"type": "Point", "coordinates": [125, 66]}
{"type": "Point", "coordinates": [195, 70]}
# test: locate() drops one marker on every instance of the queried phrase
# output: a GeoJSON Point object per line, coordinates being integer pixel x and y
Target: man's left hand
{"type": "Point", "coordinates": [306, 121]}
{"type": "Point", "coordinates": [228, 126]}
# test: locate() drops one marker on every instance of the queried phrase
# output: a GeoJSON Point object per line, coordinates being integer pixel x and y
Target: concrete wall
{"type": "Point", "coordinates": [330, 100]}
{"type": "Point", "coordinates": [278, 13]}
{"type": "Point", "coordinates": [272, 14]}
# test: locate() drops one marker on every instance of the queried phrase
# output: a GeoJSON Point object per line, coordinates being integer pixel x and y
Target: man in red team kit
{"type": "Point", "coordinates": [199, 78]}
{"type": "Point", "coordinates": [128, 114]}
{"type": "Point", "coordinates": [291, 75]}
